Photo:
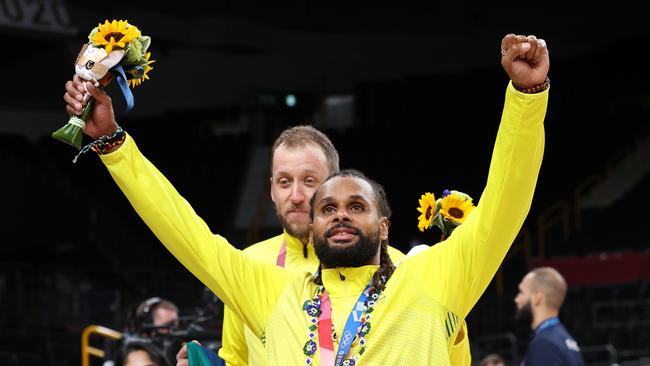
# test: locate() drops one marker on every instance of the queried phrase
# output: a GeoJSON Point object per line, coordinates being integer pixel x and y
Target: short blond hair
{"type": "Point", "coordinates": [552, 284]}
{"type": "Point", "coordinates": [302, 135]}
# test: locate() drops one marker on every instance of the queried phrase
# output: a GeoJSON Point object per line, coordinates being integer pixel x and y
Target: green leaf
{"type": "Point", "coordinates": [450, 226]}
{"type": "Point", "coordinates": [439, 222]}
{"type": "Point", "coordinates": [91, 35]}
{"type": "Point", "coordinates": [133, 54]}
{"type": "Point", "coordinates": [72, 134]}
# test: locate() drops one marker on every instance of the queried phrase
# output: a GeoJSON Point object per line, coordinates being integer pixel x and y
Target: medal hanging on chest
{"type": "Point", "coordinates": [322, 331]}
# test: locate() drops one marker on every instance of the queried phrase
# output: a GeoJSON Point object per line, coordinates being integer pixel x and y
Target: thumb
{"type": "Point", "coordinates": [100, 96]}
{"type": "Point", "coordinates": [517, 50]}
{"type": "Point", "coordinates": [182, 353]}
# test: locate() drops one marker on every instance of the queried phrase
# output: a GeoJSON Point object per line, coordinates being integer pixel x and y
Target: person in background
{"type": "Point", "coordinates": [541, 294]}
{"type": "Point", "coordinates": [492, 359]}
{"type": "Point", "coordinates": [138, 353]}
{"type": "Point", "coordinates": [154, 316]}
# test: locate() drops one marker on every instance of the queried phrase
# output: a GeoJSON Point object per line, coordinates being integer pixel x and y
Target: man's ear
{"type": "Point", "coordinates": [537, 298]}
{"type": "Point", "coordinates": [384, 224]}
{"type": "Point", "coordinates": [271, 189]}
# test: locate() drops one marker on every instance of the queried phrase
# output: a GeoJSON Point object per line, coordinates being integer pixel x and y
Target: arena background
{"type": "Point", "coordinates": [409, 94]}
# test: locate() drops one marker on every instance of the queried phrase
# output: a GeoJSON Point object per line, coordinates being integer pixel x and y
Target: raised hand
{"type": "Point", "coordinates": [525, 59]}
{"type": "Point", "coordinates": [102, 121]}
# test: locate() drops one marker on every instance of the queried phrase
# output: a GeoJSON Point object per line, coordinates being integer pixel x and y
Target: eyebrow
{"type": "Point", "coordinates": [354, 197]}
{"type": "Point", "coordinates": [325, 200]}
{"type": "Point", "coordinates": [307, 171]}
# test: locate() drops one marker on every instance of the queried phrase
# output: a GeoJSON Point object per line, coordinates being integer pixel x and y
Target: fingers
{"type": "Point", "coordinates": [76, 90]}
{"type": "Point", "coordinates": [182, 353]}
{"type": "Point", "coordinates": [100, 96]}
{"type": "Point", "coordinates": [521, 38]}
{"type": "Point", "coordinates": [541, 51]}
{"type": "Point", "coordinates": [529, 48]}
{"type": "Point", "coordinates": [77, 79]}
{"type": "Point", "coordinates": [525, 59]}
{"type": "Point", "coordinates": [517, 49]}
{"type": "Point", "coordinates": [75, 96]}
{"type": "Point", "coordinates": [74, 106]}
{"type": "Point", "coordinates": [530, 55]}
{"type": "Point", "coordinates": [79, 89]}
{"type": "Point", "coordinates": [181, 357]}
{"type": "Point", "coordinates": [507, 42]}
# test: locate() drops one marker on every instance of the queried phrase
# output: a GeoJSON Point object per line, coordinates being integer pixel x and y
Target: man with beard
{"type": "Point", "coordinates": [541, 294]}
{"type": "Point", "coordinates": [411, 314]}
{"type": "Point", "coordinates": [302, 157]}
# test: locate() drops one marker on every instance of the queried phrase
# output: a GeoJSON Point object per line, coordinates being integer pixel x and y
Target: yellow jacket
{"type": "Point", "coordinates": [419, 313]}
{"type": "Point", "coordinates": [239, 345]}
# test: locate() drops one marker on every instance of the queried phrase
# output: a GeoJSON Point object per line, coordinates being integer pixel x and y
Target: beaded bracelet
{"type": "Point", "coordinates": [537, 88]}
{"type": "Point", "coordinates": [104, 143]}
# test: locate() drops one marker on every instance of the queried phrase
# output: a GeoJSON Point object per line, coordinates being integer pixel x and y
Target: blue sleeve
{"type": "Point", "coordinates": [543, 352]}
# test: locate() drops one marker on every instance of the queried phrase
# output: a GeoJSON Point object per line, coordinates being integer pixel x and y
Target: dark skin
{"type": "Point", "coordinates": [350, 200]}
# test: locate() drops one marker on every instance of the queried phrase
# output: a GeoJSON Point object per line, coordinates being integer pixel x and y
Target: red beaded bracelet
{"type": "Point", "coordinates": [537, 88]}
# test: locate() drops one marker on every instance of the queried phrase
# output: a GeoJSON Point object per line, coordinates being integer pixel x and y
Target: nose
{"type": "Point", "coordinates": [341, 215]}
{"type": "Point", "coordinates": [297, 194]}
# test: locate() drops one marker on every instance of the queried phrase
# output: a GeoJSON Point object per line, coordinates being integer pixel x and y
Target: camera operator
{"type": "Point", "coordinates": [155, 321]}
{"type": "Point", "coordinates": [152, 321]}
{"type": "Point", "coordinates": [154, 316]}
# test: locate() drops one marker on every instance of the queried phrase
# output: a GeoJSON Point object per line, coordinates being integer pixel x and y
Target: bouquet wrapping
{"type": "Point", "coordinates": [116, 50]}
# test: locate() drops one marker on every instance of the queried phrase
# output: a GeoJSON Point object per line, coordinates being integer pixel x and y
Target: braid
{"type": "Point", "coordinates": [386, 268]}
{"type": "Point", "coordinates": [318, 278]}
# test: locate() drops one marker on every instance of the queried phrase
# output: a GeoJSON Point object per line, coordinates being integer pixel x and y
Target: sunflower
{"type": "Point", "coordinates": [114, 34]}
{"type": "Point", "coordinates": [427, 209]}
{"type": "Point", "coordinates": [137, 81]}
{"type": "Point", "coordinates": [456, 207]}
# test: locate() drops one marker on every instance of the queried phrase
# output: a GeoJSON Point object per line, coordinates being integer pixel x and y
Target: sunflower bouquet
{"type": "Point", "coordinates": [116, 50]}
{"type": "Point", "coordinates": [446, 213]}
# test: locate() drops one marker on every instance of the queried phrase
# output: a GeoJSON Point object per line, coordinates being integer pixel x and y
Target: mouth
{"type": "Point", "coordinates": [297, 213]}
{"type": "Point", "coordinates": [342, 234]}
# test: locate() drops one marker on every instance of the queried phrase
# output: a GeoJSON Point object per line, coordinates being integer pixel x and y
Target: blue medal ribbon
{"type": "Point", "coordinates": [547, 323]}
{"type": "Point", "coordinates": [120, 76]}
{"type": "Point", "coordinates": [351, 328]}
